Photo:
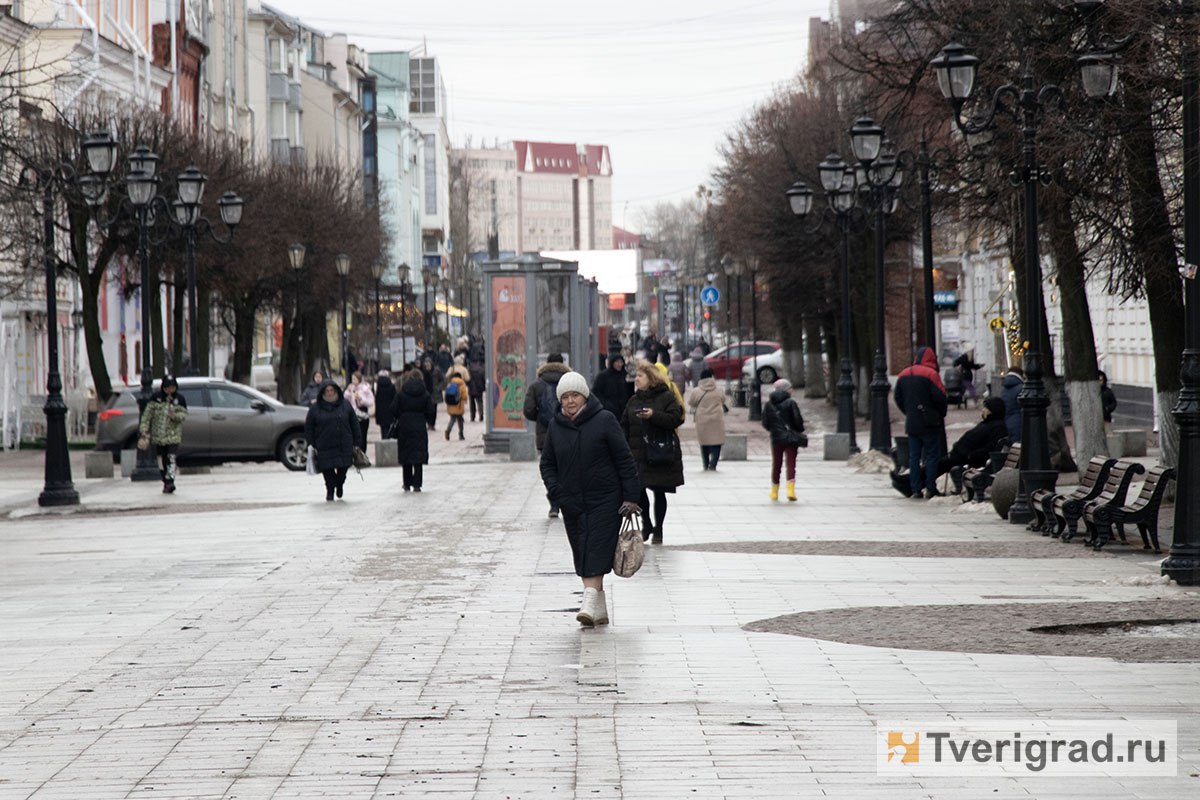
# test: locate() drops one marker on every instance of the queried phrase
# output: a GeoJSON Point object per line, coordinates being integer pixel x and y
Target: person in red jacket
{"type": "Point", "coordinates": [921, 395]}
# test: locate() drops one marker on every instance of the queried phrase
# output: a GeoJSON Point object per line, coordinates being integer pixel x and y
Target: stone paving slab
{"type": "Point", "coordinates": [398, 645]}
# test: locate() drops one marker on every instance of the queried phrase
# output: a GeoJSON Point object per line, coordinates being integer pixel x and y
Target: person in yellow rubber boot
{"type": "Point", "coordinates": [781, 417]}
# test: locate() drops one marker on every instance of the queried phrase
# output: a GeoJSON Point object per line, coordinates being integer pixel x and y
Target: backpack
{"type": "Point", "coordinates": [452, 398]}
{"type": "Point", "coordinates": [547, 404]}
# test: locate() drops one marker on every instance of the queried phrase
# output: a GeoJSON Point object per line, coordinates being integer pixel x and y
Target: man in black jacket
{"type": "Point", "coordinates": [921, 395]}
{"type": "Point", "coordinates": [612, 388]}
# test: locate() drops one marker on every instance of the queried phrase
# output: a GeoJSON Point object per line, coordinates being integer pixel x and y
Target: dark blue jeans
{"type": "Point", "coordinates": [925, 448]}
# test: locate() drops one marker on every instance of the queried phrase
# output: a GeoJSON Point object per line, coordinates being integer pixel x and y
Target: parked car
{"type": "Point", "coordinates": [770, 367]}
{"type": "Point", "coordinates": [226, 422]}
{"type": "Point", "coordinates": [727, 361]}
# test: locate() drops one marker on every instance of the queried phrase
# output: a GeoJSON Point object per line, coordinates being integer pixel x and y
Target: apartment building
{"type": "Point", "coordinates": [427, 112]}
{"type": "Point", "coordinates": [539, 196]}
{"type": "Point", "coordinates": [401, 176]}
{"type": "Point", "coordinates": [564, 196]}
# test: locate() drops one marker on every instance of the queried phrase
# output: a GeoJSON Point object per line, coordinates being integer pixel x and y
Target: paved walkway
{"type": "Point", "coordinates": [257, 642]}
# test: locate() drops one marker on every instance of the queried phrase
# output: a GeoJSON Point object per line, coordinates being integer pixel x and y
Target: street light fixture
{"type": "Point", "coordinates": [1026, 105]}
{"type": "Point", "coordinates": [878, 176]}
{"type": "Point", "coordinates": [296, 253]}
{"type": "Point", "coordinates": [404, 270]}
{"type": "Point", "coordinates": [342, 263]}
{"type": "Point", "coordinates": [839, 183]}
{"type": "Point", "coordinates": [190, 186]}
{"type": "Point", "coordinates": [377, 273]}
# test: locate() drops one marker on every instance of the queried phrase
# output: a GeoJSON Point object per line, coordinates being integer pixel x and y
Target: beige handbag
{"type": "Point", "coordinates": [631, 551]}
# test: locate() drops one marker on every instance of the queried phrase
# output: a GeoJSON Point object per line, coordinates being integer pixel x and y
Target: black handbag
{"type": "Point", "coordinates": [661, 450]}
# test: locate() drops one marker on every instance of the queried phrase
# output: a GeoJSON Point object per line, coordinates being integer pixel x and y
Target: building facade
{"type": "Point", "coordinates": [401, 176]}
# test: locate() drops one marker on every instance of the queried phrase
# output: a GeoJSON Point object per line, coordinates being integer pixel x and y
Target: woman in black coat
{"type": "Point", "coordinates": [332, 428]}
{"type": "Point", "coordinates": [413, 412]}
{"type": "Point", "coordinates": [590, 475]}
{"type": "Point", "coordinates": [652, 415]}
{"type": "Point", "coordinates": [385, 393]}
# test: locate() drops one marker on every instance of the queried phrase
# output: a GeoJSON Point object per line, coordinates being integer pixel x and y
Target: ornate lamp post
{"type": "Point", "coordinates": [879, 175]}
{"type": "Point", "coordinates": [342, 262]}
{"type": "Point", "coordinates": [1183, 563]}
{"type": "Point", "coordinates": [58, 488]}
{"type": "Point", "coordinates": [427, 277]}
{"type": "Point", "coordinates": [1026, 105]}
{"type": "Point", "coordinates": [838, 181]}
{"type": "Point", "coordinates": [405, 287]}
{"type": "Point", "coordinates": [296, 252]}
{"type": "Point", "coordinates": [187, 216]}
{"type": "Point", "coordinates": [377, 273]}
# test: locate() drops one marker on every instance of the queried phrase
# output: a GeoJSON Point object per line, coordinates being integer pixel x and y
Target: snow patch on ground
{"type": "Point", "coordinates": [872, 461]}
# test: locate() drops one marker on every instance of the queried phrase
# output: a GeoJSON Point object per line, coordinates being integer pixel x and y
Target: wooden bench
{"type": "Point", "coordinates": [1091, 484]}
{"type": "Point", "coordinates": [976, 481]}
{"type": "Point", "coordinates": [1143, 512]}
{"type": "Point", "coordinates": [1067, 513]}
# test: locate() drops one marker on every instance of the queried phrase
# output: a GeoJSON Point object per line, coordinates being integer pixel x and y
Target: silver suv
{"type": "Point", "coordinates": [226, 422]}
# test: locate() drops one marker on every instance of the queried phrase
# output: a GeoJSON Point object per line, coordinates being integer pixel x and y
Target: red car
{"type": "Point", "coordinates": [727, 361]}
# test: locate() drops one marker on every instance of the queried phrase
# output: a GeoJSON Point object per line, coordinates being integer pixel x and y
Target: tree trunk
{"type": "Point", "coordinates": [91, 283]}
{"type": "Point", "coordinates": [814, 369]}
{"type": "Point", "coordinates": [243, 339]}
{"type": "Point", "coordinates": [832, 348]}
{"type": "Point", "coordinates": [1154, 243]}
{"type": "Point", "coordinates": [202, 357]}
{"type": "Point", "coordinates": [1056, 435]}
{"type": "Point", "coordinates": [1078, 338]}
{"type": "Point", "coordinates": [158, 350]}
{"type": "Point", "coordinates": [179, 294]}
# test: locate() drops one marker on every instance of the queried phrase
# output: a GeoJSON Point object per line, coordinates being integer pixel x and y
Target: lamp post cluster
{"type": "Point", "coordinates": [141, 193]}
{"type": "Point", "coordinates": [342, 263]}
{"type": "Point", "coordinates": [430, 279]}
{"type": "Point", "coordinates": [404, 271]}
{"type": "Point", "coordinates": [1026, 104]}
{"type": "Point", "coordinates": [868, 187]}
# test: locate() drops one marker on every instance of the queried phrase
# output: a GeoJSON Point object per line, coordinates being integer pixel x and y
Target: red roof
{"type": "Point", "coordinates": [563, 159]}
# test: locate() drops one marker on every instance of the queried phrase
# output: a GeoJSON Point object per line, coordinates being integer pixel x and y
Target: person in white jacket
{"type": "Point", "coordinates": [362, 400]}
{"type": "Point", "coordinates": [707, 404]}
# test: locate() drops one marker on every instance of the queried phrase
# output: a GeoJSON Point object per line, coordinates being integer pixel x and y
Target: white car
{"type": "Point", "coordinates": [770, 367]}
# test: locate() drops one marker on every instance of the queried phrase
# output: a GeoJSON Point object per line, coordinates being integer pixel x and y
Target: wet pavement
{"type": "Point", "coordinates": [245, 639]}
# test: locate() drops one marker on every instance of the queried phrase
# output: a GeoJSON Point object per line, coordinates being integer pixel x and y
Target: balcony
{"type": "Point", "coordinates": [281, 151]}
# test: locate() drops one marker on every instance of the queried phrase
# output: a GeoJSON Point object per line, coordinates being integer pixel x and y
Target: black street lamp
{"type": "Point", "coordinates": [427, 277]}
{"type": "Point", "coordinates": [755, 383]}
{"type": "Point", "coordinates": [377, 273]}
{"type": "Point", "coordinates": [342, 262]}
{"type": "Point", "coordinates": [187, 216]}
{"type": "Point", "coordinates": [1026, 105]}
{"type": "Point", "coordinates": [838, 181]}
{"type": "Point", "coordinates": [58, 488]}
{"type": "Point", "coordinates": [879, 175]}
{"type": "Point", "coordinates": [926, 162]}
{"type": "Point", "coordinates": [431, 288]}
{"type": "Point", "coordinates": [296, 252]}
{"type": "Point", "coordinates": [404, 270]}
{"type": "Point", "coordinates": [1183, 562]}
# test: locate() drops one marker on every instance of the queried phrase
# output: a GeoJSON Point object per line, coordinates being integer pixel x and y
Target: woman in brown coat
{"type": "Point", "coordinates": [649, 422]}
{"type": "Point", "coordinates": [707, 404]}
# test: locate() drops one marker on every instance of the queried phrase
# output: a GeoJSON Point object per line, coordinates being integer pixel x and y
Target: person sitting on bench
{"type": "Point", "coordinates": [973, 447]}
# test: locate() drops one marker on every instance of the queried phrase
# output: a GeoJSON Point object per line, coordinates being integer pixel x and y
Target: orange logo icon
{"type": "Point", "coordinates": [903, 747]}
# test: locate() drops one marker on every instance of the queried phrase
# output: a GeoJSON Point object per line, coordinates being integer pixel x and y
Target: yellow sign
{"type": "Point", "coordinates": [904, 746]}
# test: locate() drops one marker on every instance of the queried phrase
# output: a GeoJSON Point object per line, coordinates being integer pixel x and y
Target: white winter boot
{"type": "Point", "coordinates": [587, 610]}
{"type": "Point", "coordinates": [600, 615]}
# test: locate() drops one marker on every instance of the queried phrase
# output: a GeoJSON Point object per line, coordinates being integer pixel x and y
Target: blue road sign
{"type": "Point", "coordinates": [710, 295]}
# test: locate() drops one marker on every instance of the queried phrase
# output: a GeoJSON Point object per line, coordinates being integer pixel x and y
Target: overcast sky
{"type": "Point", "coordinates": [659, 81]}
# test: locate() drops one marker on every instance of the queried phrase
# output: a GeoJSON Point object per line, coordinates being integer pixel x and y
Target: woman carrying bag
{"type": "Point", "coordinates": [590, 475]}
{"type": "Point", "coordinates": [332, 428]}
{"type": "Point", "coordinates": [649, 422]}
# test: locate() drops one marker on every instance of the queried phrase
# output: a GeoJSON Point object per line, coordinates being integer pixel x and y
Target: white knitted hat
{"type": "Point", "coordinates": [573, 382]}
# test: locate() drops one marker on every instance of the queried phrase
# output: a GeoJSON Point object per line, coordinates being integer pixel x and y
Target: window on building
{"type": "Point", "coordinates": [278, 119]}
{"type": "Point", "coordinates": [423, 82]}
{"type": "Point", "coordinates": [275, 57]}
